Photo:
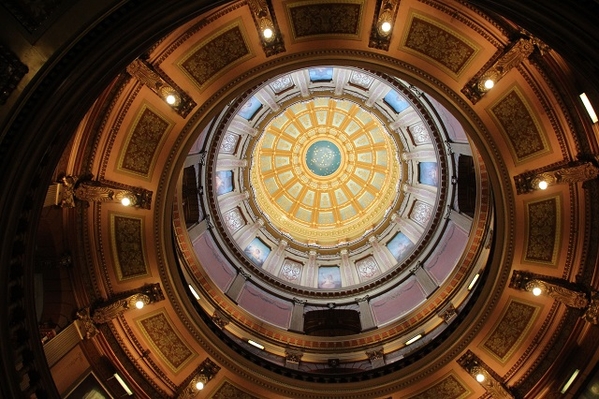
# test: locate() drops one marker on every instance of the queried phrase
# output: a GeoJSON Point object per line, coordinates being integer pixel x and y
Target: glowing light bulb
{"type": "Point", "coordinates": [171, 99]}
{"type": "Point", "coordinates": [139, 304]}
{"type": "Point", "coordinates": [267, 33]}
{"type": "Point", "coordinates": [480, 377]}
{"type": "Point", "coordinates": [543, 185]}
{"type": "Point", "coordinates": [126, 201]}
{"type": "Point", "coordinates": [386, 27]}
{"type": "Point", "coordinates": [537, 291]}
{"type": "Point", "coordinates": [199, 385]}
{"type": "Point", "coordinates": [489, 84]}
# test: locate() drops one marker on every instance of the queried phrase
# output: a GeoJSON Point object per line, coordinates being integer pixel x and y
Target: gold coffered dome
{"type": "Point", "coordinates": [325, 171]}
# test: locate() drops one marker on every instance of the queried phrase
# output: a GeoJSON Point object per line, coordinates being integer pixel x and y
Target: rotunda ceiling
{"type": "Point", "coordinates": [325, 171]}
{"type": "Point", "coordinates": [328, 183]}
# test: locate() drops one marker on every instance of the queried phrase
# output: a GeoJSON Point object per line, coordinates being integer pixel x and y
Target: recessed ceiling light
{"type": "Point", "coordinates": [194, 292]}
{"type": "Point", "coordinates": [570, 381]}
{"type": "Point", "coordinates": [256, 344]}
{"type": "Point", "coordinates": [473, 282]}
{"type": "Point", "coordinates": [589, 107]}
{"type": "Point", "coordinates": [413, 339]}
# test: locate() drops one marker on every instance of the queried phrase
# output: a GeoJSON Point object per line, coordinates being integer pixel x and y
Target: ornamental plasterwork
{"type": "Point", "coordinates": [314, 205]}
{"type": "Point", "coordinates": [367, 268]}
{"type": "Point", "coordinates": [281, 84]}
{"type": "Point", "coordinates": [291, 271]}
{"type": "Point", "coordinates": [229, 143]}
{"type": "Point", "coordinates": [324, 172]}
{"type": "Point", "coordinates": [234, 220]}
{"type": "Point", "coordinates": [361, 79]}
{"type": "Point", "coordinates": [419, 133]}
{"type": "Point", "coordinates": [421, 213]}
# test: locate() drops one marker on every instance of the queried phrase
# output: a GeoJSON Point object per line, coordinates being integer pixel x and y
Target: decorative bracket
{"type": "Point", "coordinates": [146, 74]}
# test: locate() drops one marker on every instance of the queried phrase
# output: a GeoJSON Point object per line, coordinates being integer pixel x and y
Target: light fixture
{"type": "Point", "coordinates": [200, 381]}
{"type": "Point", "coordinates": [543, 185]}
{"type": "Point", "coordinates": [171, 99]}
{"type": "Point", "coordinates": [570, 381]}
{"type": "Point", "coordinates": [126, 197]}
{"type": "Point", "coordinates": [268, 33]}
{"type": "Point", "coordinates": [413, 339]}
{"type": "Point", "coordinates": [123, 384]}
{"type": "Point", "coordinates": [473, 282]}
{"type": "Point", "coordinates": [489, 83]}
{"type": "Point", "coordinates": [589, 107]}
{"type": "Point", "coordinates": [386, 27]}
{"type": "Point", "coordinates": [194, 292]}
{"type": "Point", "coordinates": [480, 377]}
{"type": "Point", "coordinates": [537, 291]}
{"type": "Point", "coordinates": [256, 344]}
{"type": "Point", "coordinates": [139, 304]}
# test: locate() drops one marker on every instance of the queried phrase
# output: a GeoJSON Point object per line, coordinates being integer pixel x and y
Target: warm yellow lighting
{"type": "Point", "coordinates": [413, 339]}
{"type": "Point", "coordinates": [256, 344]}
{"type": "Point", "coordinates": [473, 282]}
{"type": "Point", "coordinates": [268, 33]}
{"type": "Point", "coordinates": [543, 185]}
{"type": "Point", "coordinates": [537, 291]}
{"type": "Point", "coordinates": [171, 99]}
{"type": "Point", "coordinates": [126, 201]}
{"type": "Point", "coordinates": [139, 304]}
{"type": "Point", "coordinates": [489, 84]}
{"type": "Point", "coordinates": [199, 385]}
{"type": "Point", "coordinates": [589, 107]}
{"type": "Point", "coordinates": [386, 27]}
{"type": "Point", "coordinates": [123, 384]}
{"type": "Point", "coordinates": [570, 381]}
{"type": "Point", "coordinates": [480, 377]}
{"type": "Point", "coordinates": [194, 292]}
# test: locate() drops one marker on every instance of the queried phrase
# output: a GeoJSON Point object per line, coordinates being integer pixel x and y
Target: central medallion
{"type": "Point", "coordinates": [323, 158]}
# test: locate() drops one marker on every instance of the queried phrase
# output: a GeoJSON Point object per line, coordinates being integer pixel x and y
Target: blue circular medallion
{"type": "Point", "coordinates": [323, 158]}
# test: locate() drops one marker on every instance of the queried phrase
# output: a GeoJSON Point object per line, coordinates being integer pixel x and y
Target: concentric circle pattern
{"type": "Point", "coordinates": [325, 171]}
